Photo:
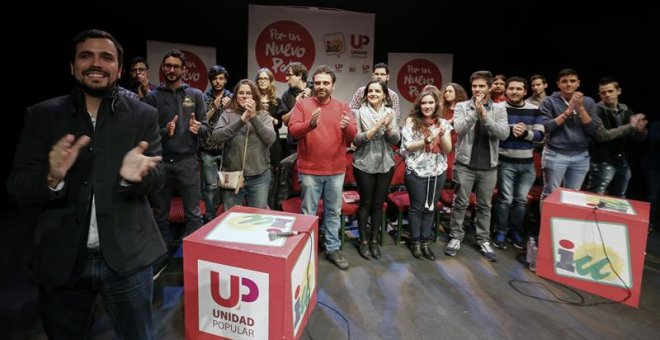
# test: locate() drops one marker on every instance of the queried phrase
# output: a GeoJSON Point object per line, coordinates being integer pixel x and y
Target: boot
{"type": "Point", "coordinates": [363, 250]}
{"type": "Point", "coordinates": [375, 249]}
{"type": "Point", "coordinates": [416, 251]}
{"type": "Point", "coordinates": [428, 253]}
{"type": "Point", "coordinates": [363, 246]}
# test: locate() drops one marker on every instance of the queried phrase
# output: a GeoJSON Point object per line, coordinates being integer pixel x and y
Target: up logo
{"type": "Point", "coordinates": [359, 40]}
{"type": "Point", "coordinates": [235, 295]}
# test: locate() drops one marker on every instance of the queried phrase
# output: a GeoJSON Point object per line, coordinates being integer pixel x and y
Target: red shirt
{"type": "Point", "coordinates": [322, 149]}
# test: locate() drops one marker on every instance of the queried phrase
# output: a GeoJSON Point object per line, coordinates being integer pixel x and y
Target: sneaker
{"type": "Point", "coordinates": [452, 247]}
{"type": "Point", "coordinates": [500, 241]}
{"type": "Point", "coordinates": [488, 252]}
{"type": "Point", "coordinates": [516, 240]}
{"type": "Point", "coordinates": [338, 259]}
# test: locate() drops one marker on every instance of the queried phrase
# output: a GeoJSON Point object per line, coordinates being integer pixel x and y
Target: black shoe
{"type": "Point", "coordinates": [416, 250]}
{"type": "Point", "coordinates": [375, 250]}
{"type": "Point", "coordinates": [426, 250]}
{"type": "Point", "coordinates": [338, 259]}
{"type": "Point", "coordinates": [363, 250]}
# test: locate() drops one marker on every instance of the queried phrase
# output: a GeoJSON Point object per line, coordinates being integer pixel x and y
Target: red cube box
{"type": "Point", "coordinates": [594, 243]}
{"type": "Point", "coordinates": [241, 281]}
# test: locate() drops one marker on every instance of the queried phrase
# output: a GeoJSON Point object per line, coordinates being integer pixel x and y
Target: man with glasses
{"type": "Point", "coordinates": [382, 73]}
{"type": "Point", "coordinates": [296, 76]}
{"type": "Point", "coordinates": [138, 82]}
{"type": "Point", "coordinates": [183, 122]}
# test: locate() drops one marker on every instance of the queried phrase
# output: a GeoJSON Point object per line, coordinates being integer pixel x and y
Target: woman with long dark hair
{"type": "Point", "coordinates": [425, 141]}
{"type": "Point", "coordinates": [373, 161]}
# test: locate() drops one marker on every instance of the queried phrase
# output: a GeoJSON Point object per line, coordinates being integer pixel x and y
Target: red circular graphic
{"type": "Point", "coordinates": [282, 42]}
{"type": "Point", "coordinates": [197, 74]}
{"type": "Point", "coordinates": [566, 244]}
{"type": "Point", "coordinates": [416, 74]}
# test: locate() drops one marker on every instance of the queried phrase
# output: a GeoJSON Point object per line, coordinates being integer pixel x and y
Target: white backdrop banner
{"type": "Point", "coordinates": [343, 40]}
{"type": "Point", "coordinates": [410, 72]}
{"type": "Point", "coordinates": [198, 61]}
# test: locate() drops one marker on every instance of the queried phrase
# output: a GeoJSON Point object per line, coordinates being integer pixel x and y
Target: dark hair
{"type": "Point", "coordinates": [216, 70]}
{"type": "Point", "coordinates": [299, 69]}
{"type": "Point", "coordinates": [538, 76]}
{"type": "Point", "coordinates": [270, 91]}
{"type": "Point", "coordinates": [382, 65]}
{"type": "Point", "coordinates": [255, 96]}
{"type": "Point", "coordinates": [609, 80]}
{"type": "Point", "coordinates": [97, 34]}
{"type": "Point", "coordinates": [325, 69]}
{"type": "Point", "coordinates": [176, 54]}
{"type": "Point", "coordinates": [136, 60]}
{"type": "Point", "coordinates": [387, 100]}
{"type": "Point", "coordinates": [567, 72]}
{"type": "Point", "coordinates": [485, 75]}
{"type": "Point", "coordinates": [517, 79]}
{"type": "Point", "coordinates": [416, 112]}
{"type": "Point", "coordinates": [459, 91]}
{"type": "Point", "coordinates": [500, 77]}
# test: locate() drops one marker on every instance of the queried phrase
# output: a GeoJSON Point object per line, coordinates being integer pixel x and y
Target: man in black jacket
{"type": "Point", "coordinates": [89, 159]}
{"type": "Point", "coordinates": [610, 171]}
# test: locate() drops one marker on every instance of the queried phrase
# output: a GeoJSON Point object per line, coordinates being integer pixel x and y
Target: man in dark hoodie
{"type": "Point", "coordinates": [183, 122]}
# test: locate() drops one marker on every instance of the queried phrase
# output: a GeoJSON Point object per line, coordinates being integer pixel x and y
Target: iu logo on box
{"type": "Point", "coordinates": [233, 302]}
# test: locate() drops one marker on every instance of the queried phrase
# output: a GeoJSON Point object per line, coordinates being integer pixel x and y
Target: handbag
{"type": "Point", "coordinates": [234, 179]}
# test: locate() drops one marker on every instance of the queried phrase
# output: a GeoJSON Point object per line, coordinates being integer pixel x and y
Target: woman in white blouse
{"type": "Point", "coordinates": [425, 142]}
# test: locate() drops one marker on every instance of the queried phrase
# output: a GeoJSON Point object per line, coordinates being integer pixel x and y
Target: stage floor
{"type": "Point", "coordinates": [396, 297]}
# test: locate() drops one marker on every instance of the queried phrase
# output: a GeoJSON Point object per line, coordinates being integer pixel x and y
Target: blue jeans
{"type": "Point", "coordinates": [329, 188]}
{"type": "Point", "coordinates": [255, 190]}
{"type": "Point", "coordinates": [210, 191]}
{"type": "Point", "coordinates": [558, 167]}
{"type": "Point", "coordinates": [604, 175]}
{"type": "Point", "coordinates": [67, 311]}
{"type": "Point", "coordinates": [514, 180]}
{"type": "Point", "coordinates": [483, 182]}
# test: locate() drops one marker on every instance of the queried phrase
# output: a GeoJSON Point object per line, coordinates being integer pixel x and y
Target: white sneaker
{"type": "Point", "coordinates": [452, 247]}
{"type": "Point", "coordinates": [488, 251]}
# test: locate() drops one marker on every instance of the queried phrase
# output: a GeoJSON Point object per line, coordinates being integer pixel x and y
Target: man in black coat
{"type": "Point", "coordinates": [88, 160]}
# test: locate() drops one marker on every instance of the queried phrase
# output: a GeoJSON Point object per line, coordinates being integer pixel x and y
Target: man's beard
{"type": "Point", "coordinates": [96, 92]}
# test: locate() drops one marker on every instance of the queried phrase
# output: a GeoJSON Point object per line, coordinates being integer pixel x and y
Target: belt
{"type": "Point", "coordinates": [175, 159]}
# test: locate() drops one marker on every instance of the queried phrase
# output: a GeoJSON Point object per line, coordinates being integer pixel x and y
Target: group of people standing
{"type": "Point", "coordinates": [103, 163]}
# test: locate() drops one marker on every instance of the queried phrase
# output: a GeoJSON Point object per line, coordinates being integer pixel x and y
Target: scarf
{"type": "Point", "coordinates": [430, 122]}
{"type": "Point", "coordinates": [369, 117]}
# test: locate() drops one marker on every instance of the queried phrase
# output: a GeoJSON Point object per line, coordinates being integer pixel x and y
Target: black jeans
{"type": "Point", "coordinates": [373, 189]}
{"type": "Point", "coordinates": [424, 192]}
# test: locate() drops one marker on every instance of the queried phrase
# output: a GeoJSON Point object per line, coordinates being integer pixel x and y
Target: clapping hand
{"type": "Point", "coordinates": [136, 165]}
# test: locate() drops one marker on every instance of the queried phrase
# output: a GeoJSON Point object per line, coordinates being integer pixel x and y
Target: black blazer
{"type": "Point", "coordinates": [128, 234]}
